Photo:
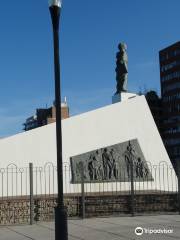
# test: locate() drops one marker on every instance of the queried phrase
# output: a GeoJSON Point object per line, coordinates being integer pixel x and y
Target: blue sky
{"type": "Point", "coordinates": [89, 35]}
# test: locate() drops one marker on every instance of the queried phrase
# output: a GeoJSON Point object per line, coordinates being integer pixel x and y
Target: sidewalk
{"type": "Point", "coordinates": [116, 228]}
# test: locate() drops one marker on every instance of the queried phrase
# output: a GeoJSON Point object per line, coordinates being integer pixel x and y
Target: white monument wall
{"type": "Point", "coordinates": [102, 127]}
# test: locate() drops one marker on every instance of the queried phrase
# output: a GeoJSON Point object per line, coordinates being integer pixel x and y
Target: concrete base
{"type": "Point", "coordinates": [123, 96]}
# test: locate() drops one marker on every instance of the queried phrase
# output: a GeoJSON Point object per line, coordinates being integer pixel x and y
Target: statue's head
{"type": "Point", "coordinates": [122, 47]}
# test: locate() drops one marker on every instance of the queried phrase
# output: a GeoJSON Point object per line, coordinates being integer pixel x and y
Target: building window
{"type": "Point", "coordinates": [171, 76]}
{"type": "Point", "coordinates": [170, 66]}
{"type": "Point", "coordinates": [171, 87]}
{"type": "Point", "coordinates": [170, 54]}
{"type": "Point", "coordinates": [172, 141]}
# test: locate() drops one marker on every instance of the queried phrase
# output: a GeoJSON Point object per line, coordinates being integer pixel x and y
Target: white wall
{"type": "Point", "coordinates": [102, 127]}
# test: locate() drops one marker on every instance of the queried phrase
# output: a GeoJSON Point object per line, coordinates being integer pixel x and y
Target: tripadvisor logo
{"type": "Point", "coordinates": [139, 231]}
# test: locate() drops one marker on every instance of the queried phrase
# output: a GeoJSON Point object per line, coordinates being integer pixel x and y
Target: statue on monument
{"type": "Point", "coordinates": [121, 69]}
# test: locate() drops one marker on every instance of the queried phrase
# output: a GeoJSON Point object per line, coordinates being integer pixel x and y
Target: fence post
{"type": "Point", "coordinates": [31, 193]}
{"type": "Point", "coordinates": [132, 178]}
{"type": "Point", "coordinates": [178, 169]}
{"type": "Point", "coordinates": [82, 191]}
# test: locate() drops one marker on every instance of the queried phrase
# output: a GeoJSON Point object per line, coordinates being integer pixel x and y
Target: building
{"type": "Point", "coordinates": [170, 91]}
{"type": "Point", "coordinates": [45, 116]}
{"type": "Point", "coordinates": [155, 105]}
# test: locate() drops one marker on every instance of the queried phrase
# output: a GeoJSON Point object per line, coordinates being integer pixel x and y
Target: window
{"type": "Point", "coordinates": [170, 66]}
{"type": "Point", "coordinates": [172, 141]}
{"type": "Point", "coordinates": [171, 76]}
{"type": "Point", "coordinates": [171, 87]}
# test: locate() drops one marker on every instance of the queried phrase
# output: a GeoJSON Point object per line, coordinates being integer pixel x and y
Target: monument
{"type": "Point", "coordinates": [100, 140]}
{"type": "Point", "coordinates": [122, 75]}
{"type": "Point", "coordinates": [115, 144]}
{"type": "Point", "coordinates": [111, 163]}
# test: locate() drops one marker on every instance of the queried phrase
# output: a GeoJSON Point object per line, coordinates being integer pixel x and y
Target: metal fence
{"type": "Point", "coordinates": [29, 194]}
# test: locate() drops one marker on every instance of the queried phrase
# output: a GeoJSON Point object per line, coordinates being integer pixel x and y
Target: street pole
{"type": "Point", "coordinates": [61, 232]}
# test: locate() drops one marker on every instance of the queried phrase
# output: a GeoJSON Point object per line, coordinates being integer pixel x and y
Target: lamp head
{"type": "Point", "coordinates": [57, 3]}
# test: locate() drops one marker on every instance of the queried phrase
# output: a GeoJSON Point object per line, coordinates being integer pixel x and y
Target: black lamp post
{"type": "Point", "coordinates": [60, 210]}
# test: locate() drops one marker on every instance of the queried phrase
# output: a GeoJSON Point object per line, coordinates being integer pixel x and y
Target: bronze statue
{"type": "Point", "coordinates": [121, 69]}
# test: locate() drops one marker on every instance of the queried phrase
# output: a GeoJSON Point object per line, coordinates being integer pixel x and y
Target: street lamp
{"type": "Point", "coordinates": [60, 210]}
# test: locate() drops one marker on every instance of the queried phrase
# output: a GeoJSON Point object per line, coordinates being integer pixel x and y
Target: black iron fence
{"type": "Point", "coordinates": [29, 194]}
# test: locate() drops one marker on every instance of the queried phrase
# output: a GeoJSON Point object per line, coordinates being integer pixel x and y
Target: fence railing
{"type": "Point", "coordinates": [29, 193]}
